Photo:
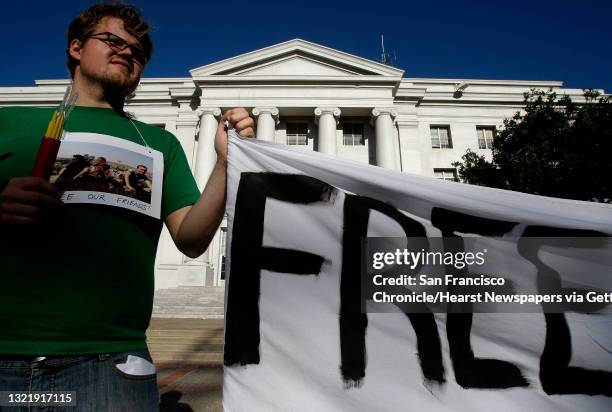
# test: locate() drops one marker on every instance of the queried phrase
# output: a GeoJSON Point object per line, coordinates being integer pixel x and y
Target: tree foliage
{"type": "Point", "coordinates": [556, 147]}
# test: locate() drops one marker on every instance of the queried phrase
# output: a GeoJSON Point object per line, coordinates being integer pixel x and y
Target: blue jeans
{"type": "Point", "coordinates": [98, 383]}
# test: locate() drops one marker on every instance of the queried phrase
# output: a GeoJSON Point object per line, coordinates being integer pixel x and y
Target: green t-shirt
{"type": "Point", "coordinates": [81, 280]}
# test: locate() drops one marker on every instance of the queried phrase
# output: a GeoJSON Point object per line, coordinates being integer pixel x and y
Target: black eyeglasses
{"type": "Point", "coordinates": [118, 44]}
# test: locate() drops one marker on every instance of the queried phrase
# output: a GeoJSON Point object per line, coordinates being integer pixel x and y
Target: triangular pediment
{"type": "Point", "coordinates": [295, 65]}
{"type": "Point", "coordinates": [297, 58]}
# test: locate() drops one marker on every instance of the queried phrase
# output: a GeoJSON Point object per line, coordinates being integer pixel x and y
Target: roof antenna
{"type": "Point", "coordinates": [383, 57]}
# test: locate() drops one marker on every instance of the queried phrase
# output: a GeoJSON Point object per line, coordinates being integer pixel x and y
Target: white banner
{"type": "Point", "coordinates": [297, 340]}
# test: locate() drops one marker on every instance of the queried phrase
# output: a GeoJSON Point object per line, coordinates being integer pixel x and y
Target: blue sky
{"type": "Point", "coordinates": [518, 40]}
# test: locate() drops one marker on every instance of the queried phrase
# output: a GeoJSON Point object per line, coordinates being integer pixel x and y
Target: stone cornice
{"type": "Point", "coordinates": [410, 94]}
{"type": "Point", "coordinates": [250, 70]}
{"type": "Point", "coordinates": [297, 46]}
{"type": "Point", "coordinates": [52, 82]}
{"type": "Point", "coordinates": [418, 81]}
{"type": "Point", "coordinates": [475, 92]}
{"type": "Point", "coordinates": [150, 96]}
{"type": "Point", "coordinates": [144, 80]}
{"type": "Point", "coordinates": [295, 80]}
{"type": "Point", "coordinates": [30, 99]}
{"type": "Point", "coordinates": [186, 96]}
{"type": "Point", "coordinates": [183, 91]}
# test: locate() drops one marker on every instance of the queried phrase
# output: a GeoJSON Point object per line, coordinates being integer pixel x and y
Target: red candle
{"type": "Point", "coordinates": [47, 153]}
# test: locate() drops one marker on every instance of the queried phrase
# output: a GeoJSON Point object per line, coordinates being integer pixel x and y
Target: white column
{"type": "Point", "coordinates": [327, 118]}
{"type": "Point", "coordinates": [206, 156]}
{"type": "Point", "coordinates": [408, 128]}
{"type": "Point", "coordinates": [386, 145]}
{"type": "Point", "coordinates": [186, 119]}
{"type": "Point", "coordinates": [267, 119]}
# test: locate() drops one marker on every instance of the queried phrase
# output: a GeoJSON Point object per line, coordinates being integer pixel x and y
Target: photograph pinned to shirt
{"type": "Point", "coordinates": [106, 170]}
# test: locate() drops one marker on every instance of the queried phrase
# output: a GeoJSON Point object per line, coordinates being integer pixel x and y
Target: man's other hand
{"type": "Point", "coordinates": [25, 199]}
{"type": "Point", "coordinates": [238, 119]}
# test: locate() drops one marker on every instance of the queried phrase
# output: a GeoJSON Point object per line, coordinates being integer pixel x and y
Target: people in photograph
{"type": "Point", "coordinates": [76, 165]}
{"type": "Point", "coordinates": [91, 178]}
{"type": "Point", "coordinates": [110, 184]}
{"type": "Point", "coordinates": [93, 169]}
{"type": "Point", "coordinates": [137, 182]}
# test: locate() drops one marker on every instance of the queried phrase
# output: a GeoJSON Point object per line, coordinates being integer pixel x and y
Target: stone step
{"type": "Point", "coordinates": [192, 302]}
{"type": "Point", "coordinates": [185, 292]}
{"type": "Point", "coordinates": [206, 334]}
{"type": "Point", "coordinates": [184, 341]}
{"type": "Point", "coordinates": [187, 339]}
{"type": "Point", "coordinates": [189, 302]}
{"type": "Point", "coordinates": [188, 357]}
{"type": "Point", "coordinates": [186, 353]}
{"type": "Point", "coordinates": [188, 316]}
{"type": "Point", "coordinates": [171, 342]}
{"type": "Point", "coordinates": [185, 297]}
{"type": "Point", "coordinates": [193, 289]}
{"type": "Point", "coordinates": [189, 307]}
{"type": "Point", "coordinates": [191, 342]}
{"type": "Point", "coordinates": [208, 356]}
{"type": "Point", "coordinates": [179, 310]}
{"type": "Point", "coordinates": [196, 348]}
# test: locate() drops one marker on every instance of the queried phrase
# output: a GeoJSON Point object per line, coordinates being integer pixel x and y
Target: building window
{"type": "Point", "coordinates": [297, 134]}
{"type": "Point", "coordinates": [223, 252]}
{"type": "Point", "coordinates": [440, 137]}
{"type": "Point", "coordinates": [485, 136]}
{"type": "Point", "coordinates": [352, 134]}
{"type": "Point", "coordinates": [446, 174]}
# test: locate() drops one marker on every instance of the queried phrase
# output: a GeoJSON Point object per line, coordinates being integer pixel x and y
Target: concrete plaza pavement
{"type": "Point", "coordinates": [188, 354]}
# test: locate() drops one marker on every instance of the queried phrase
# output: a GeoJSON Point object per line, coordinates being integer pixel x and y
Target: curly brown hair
{"type": "Point", "coordinates": [84, 24]}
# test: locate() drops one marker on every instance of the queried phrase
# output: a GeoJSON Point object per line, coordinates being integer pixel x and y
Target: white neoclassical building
{"type": "Point", "coordinates": [315, 98]}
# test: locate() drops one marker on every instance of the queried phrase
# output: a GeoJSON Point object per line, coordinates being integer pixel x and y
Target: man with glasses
{"type": "Point", "coordinates": [74, 317]}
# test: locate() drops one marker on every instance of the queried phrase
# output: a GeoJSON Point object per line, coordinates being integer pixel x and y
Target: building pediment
{"type": "Point", "coordinates": [297, 58]}
{"type": "Point", "coordinates": [295, 64]}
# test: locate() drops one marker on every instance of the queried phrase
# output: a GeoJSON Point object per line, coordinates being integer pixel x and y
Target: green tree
{"type": "Point", "coordinates": [554, 148]}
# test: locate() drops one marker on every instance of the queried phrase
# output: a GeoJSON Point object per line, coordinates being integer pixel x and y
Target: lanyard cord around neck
{"type": "Point", "coordinates": [140, 134]}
